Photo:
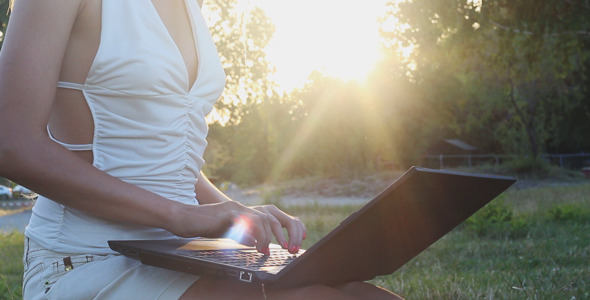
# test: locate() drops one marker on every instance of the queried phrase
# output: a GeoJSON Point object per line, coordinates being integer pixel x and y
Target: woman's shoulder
{"type": "Point", "coordinates": [52, 5]}
{"type": "Point", "coordinates": [37, 35]}
{"type": "Point", "coordinates": [52, 14]}
{"type": "Point", "coordinates": [33, 19]}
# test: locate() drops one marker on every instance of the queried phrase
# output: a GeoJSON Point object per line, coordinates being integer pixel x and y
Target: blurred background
{"type": "Point", "coordinates": [342, 88]}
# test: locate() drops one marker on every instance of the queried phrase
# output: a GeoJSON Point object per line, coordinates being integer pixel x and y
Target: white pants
{"type": "Point", "coordinates": [50, 275]}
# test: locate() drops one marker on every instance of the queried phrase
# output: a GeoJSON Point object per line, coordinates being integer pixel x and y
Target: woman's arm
{"type": "Point", "coordinates": [30, 64]}
{"type": "Point", "coordinates": [207, 192]}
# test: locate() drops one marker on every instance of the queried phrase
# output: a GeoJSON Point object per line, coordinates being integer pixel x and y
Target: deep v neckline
{"type": "Point", "coordinates": [190, 82]}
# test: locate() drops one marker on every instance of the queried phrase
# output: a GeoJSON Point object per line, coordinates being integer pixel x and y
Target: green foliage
{"type": "Point", "coordinates": [529, 165]}
{"type": "Point", "coordinates": [569, 212]}
{"type": "Point", "coordinates": [240, 37]}
{"type": "Point", "coordinates": [11, 268]}
{"type": "Point", "coordinates": [242, 143]}
{"type": "Point", "coordinates": [332, 134]}
{"type": "Point", "coordinates": [496, 220]}
{"type": "Point", "coordinates": [4, 4]}
{"type": "Point", "coordinates": [505, 74]}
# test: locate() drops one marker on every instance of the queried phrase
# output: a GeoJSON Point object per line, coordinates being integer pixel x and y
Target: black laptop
{"type": "Point", "coordinates": [412, 213]}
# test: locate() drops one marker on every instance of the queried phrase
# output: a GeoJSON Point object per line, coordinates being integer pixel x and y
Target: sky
{"type": "Point", "coordinates": [337, 37]}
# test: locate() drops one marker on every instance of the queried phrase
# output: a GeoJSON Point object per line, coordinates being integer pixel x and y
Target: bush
{"type": "Point", "coordinates": [569, 213]}
{"type": "Point", "coordinates": [530, 165]}
{"type": "Point", "coordinates": [496, 220]}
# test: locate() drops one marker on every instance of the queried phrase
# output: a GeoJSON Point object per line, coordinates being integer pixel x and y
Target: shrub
{"type": "Point", "coordinates": [496, 220]}
{"type": "Point", "coordinates": [569, 213]}
{"type": "Point", "coordinates": [535, 166]}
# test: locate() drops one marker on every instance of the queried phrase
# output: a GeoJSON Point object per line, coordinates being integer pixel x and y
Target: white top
{"type": "Point", "coordinates": [149, 124]}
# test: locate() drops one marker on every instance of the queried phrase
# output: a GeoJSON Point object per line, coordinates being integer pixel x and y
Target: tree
{"type": "Point", "coordinates": [241, 35]}
{"type": "Point", "coordinates": [509, 69]}
{"type": "Point", "coordinates": [240, 142]}
{"type": "Point", "coordinates": [4, 4]}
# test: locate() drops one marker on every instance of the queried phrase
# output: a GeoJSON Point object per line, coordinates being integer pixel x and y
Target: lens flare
{"type": "Point", "coordinates": [239, 230]}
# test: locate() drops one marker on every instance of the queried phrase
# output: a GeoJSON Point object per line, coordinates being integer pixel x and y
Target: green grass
{"type": "Point", "coordinates": [11, 267]}
{"type": "Point", "coordinates": [531, 243]}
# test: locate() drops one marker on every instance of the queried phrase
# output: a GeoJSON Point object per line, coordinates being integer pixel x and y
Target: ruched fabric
{"type": "Point", "coordinates": [149, 123]}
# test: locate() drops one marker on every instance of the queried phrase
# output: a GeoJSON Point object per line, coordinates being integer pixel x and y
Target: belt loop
{"type": "Point", "coordinates": [68, 263]}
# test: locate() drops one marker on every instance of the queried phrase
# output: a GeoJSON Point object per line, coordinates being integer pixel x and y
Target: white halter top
{"type": "Point", "coordinates": [149, 124]}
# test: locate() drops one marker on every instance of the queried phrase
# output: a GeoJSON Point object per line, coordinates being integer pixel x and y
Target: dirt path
{"type": "Point", "coordinates": [17, 221]}
{"type": "Point", "coordinates": [254, 198]}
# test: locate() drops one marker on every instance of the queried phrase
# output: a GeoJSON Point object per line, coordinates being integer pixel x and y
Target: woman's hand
{"type": "Point", "coordinates": [258, 224]}
{"type": "Point", "coordinates": [278, 220]}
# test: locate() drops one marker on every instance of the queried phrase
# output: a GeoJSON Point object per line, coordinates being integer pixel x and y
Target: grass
{"type": "Point", "coordinates": [530, 243]}
{"type": "Point", "coordinates": [11, 268]}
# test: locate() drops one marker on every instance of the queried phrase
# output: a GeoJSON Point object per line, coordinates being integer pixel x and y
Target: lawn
{"type": "Point", "coordinates": [529, 243]}
{"type": "Point", "coordinates": [11, 267]}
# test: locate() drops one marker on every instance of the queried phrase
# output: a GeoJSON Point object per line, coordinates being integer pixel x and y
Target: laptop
{"type": "Point", "coordinates": [412, 213]}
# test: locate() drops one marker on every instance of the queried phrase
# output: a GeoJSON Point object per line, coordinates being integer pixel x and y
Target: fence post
{"type": "Point", "coordinates": [561, 161]}
{"type": "Point", "coordinates": [440, 160]}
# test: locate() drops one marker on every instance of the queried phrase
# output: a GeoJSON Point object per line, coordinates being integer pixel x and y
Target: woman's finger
{"type": "Point", "coordinates": [295, 228]}
{"type": "Point", "coordinates": [275, 224]}
{"type": "Point", "coordinates": [296, 231]}
{"type": "Point", "coordinates": [263, 233]}
{"type": "Point", "coordinates": [257, 227]}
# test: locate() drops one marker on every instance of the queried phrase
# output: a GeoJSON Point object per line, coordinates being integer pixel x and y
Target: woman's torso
{"type": "Point", "coordinates": [137, 81]}
{"type": "Point", "coordinates": [71, 120]}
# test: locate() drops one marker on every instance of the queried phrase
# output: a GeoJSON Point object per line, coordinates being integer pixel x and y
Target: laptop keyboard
{"type": "Point", "coordinates": [245, 258]}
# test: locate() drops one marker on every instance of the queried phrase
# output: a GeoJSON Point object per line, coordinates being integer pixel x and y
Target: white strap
{"type": "Point", "coordinates": [70, 85]}
{"type": "Point", "coordinates": [71, 147]}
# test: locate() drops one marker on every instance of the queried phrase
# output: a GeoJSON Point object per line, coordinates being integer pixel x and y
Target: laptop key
{"type": "Point", "coordinates": [250, 259]}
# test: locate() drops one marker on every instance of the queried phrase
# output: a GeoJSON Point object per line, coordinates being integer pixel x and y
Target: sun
{"type": "Point", "coordinates": [339, 38]}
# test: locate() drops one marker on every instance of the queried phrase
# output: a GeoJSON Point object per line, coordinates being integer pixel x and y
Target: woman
{"type": "Point", "coordinates": [103, 114]}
